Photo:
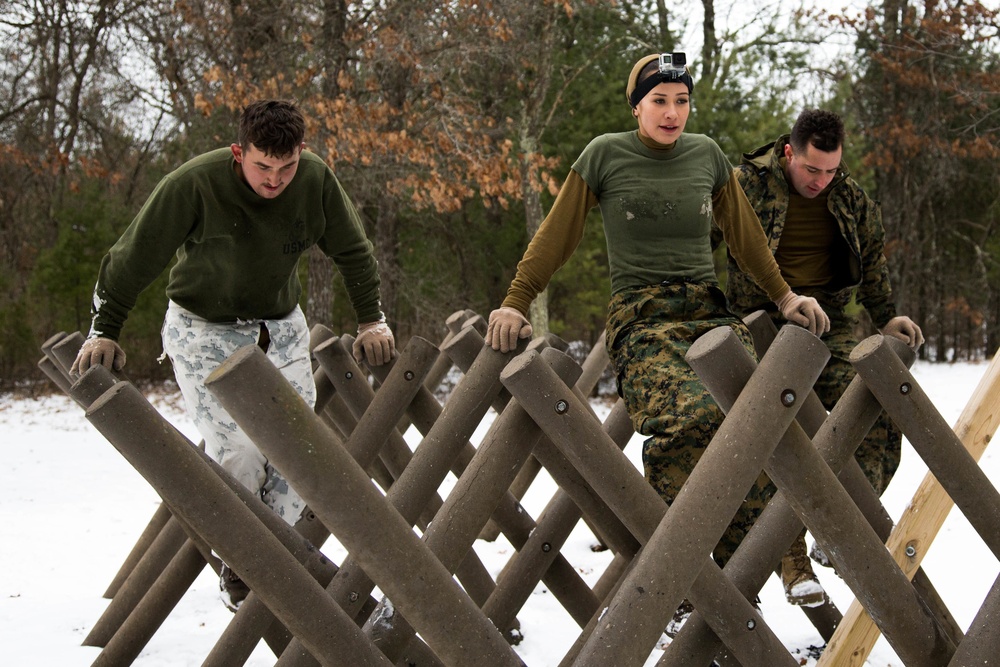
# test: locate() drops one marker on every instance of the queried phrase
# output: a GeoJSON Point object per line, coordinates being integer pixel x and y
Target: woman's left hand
{"type": "Point", "coordinates": [506, 325]}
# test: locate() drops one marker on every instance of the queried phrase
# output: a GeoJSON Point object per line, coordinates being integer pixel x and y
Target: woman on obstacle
{"type": "Point", "coordinates": [660, 191]}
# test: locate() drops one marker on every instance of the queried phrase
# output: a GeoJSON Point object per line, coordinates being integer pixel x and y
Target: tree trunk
{"type": "Point", "coordinates": [533, 216]}
{"type": "Point", "coordinates": [319, 280]}
{"type": "Point", "coordinates": [334, 52]}
{"type": "Point", "coordinates": [386, 252]}
{"type": "Point", "coordinates": [710, 44]}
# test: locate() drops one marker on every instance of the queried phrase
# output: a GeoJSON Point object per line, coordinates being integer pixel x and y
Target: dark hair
{"type": "Point", "coordinates": [822, 129]}
{"type": "Point", "coordinates": [274, 127]}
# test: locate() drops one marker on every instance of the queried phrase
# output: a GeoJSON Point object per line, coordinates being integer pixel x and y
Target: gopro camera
{"type": "Point", "coordinates": [673, 63]}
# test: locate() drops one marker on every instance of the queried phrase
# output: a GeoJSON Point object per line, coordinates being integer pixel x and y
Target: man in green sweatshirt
{"type": "Point", "coordinates": [238, 219]}
{"type": "Point", "coordinates": [827, 237]}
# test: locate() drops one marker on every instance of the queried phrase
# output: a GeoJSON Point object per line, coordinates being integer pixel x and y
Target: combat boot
{"type": "Point", "coordinates": [802, 588]}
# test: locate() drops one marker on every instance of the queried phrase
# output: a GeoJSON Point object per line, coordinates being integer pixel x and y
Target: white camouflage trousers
{"type": "Point", "coordinates": [197, 347]}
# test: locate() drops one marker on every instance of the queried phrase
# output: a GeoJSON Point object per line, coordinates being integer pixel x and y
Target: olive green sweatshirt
{"type": "Point", "coordinates": [658, 204]}
{"type": "Point", "coordinates": [237, 252]}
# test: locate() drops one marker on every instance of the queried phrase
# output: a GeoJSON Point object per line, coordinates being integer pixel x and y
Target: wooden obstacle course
{"type": "Point", "coordinates": [543, 421]}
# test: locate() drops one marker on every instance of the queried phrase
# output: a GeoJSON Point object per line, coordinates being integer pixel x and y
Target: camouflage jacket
{"type": "Point", "coordinates": [860, 221]}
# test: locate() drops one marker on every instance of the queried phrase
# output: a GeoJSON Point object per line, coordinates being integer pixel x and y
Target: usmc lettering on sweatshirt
{"type": "Point", "coordinates": [297, 241]}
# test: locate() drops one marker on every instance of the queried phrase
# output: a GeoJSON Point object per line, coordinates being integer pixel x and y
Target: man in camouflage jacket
{"type": "Point", "coordinates": [826, 234]}
{"type": "Point", "coordinates": [860, 221]}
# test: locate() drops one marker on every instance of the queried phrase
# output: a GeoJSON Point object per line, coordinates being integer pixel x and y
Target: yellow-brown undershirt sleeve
{"type": "Point", "coordinates": [745, 238]}
{"type": "Point", "coordinates": [553, 244]}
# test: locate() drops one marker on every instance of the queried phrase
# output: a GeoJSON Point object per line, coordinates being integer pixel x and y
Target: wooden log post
{"type": "Point", "coordinates": [704, 507]}
{"type": "Point", "coordinates": [159, 569]}
{"type": "Point", "coordinates": [920, 522]}
{"type": "Point", "coordinates": [152, 609]}
{"type": "Point", "coordinates": [141, 578]}
{"type": "Point", "coordinates": [574, 500]}
{"type": "Point", "coordinates": [377, 413]}
{"type": "Point", "coordinates": [74, 339]}
{"type": "Point", "coordinates": [474, 498]}
{"type": "Point", "coordinates": [64, 352]}
{"type": "Point", "coordinates": [240, 528]}
{"type": "Point", "coordinates": [816, 495]}
{"type": "Point", "coordinates": [53, 372]}
{"type": "Point", "coordinates": [341, 494]}
{"type": "Point", "coordinates": [591, 369]}
{"type": "Point", "coordinates": [836, 441]}
{"type": "Point", "coordinates": [377, 443]}
{"type": "Point", "coordinates": [159, 543]}
{"type": "Point", "coordinates": [912, 410]}
{"type": "Point", "coordinates": [47, 344]}
{"type": "Point", "coordinates": [561, 578]}
{"type": "Point", "coordinates": [156, 523]}
{"type": "Point", "coordinates": [60, 351]}
{"type": "Point", "coordinates": [981, 644]}
{"type": "Point", "coordinates": [614, 477]}
{"type": "Point", "coordinates": [254, 620]}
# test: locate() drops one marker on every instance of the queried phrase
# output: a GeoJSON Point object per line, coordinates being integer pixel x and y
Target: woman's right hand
{"type": "Point", "coordinates": [506, 325]}
{"type": "Point", "coordinates": [804, 311]}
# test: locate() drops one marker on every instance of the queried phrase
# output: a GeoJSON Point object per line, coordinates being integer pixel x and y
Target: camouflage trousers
{"type": "Point", "coordinates": [197, 347]}
{"type": "Point", "coordinates": [880, 452]}
{"type": "Point", "coordinates": [649, 331]}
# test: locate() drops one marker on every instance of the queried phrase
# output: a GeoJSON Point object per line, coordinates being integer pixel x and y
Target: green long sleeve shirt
{"type": "Point", "coordinates": [237, 252]}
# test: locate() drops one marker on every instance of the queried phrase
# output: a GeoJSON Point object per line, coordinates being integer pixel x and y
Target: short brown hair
{"type": "Point", "coordinates": [274, 127]}
{"type": "Point", "coordinates": [823, 130]}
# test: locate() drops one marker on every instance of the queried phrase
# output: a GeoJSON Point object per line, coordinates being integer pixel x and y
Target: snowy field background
{"type": "Point", "coordinates": [73, 508]}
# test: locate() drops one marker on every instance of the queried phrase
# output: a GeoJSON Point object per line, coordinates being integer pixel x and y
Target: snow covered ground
{"type": "Point", "coordinates": [72, 509]}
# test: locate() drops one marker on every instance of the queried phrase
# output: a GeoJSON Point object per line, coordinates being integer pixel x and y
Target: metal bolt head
{"type": "Point", "coordinates": [408, 375]}
{"type": "Point", "coordinates": [788, 398]}
{"type": "Point", "coordinates": [562, 407]}
{"type": "Point", "coordinates": [911, 551]}
{"type": "Point", "coordinates": [348, 375]}
{"type": "Point", "coordinates": [905, 388]}
{"type": "Point", "coordinates": [353, 597]}
{"type": "Point", "coordinates": [751, 624]}
{"type": "Point", "coordinates": [546, 547]}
